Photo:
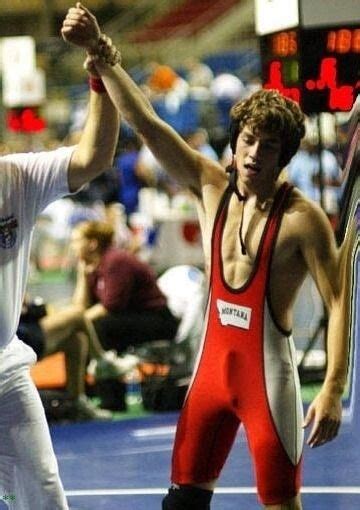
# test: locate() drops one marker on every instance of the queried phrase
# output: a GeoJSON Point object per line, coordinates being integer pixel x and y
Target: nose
{"type": "Point", "coordinates": [254, 149]}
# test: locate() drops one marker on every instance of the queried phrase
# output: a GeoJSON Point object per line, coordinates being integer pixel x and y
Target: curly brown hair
{"type": "Point", "coordinates": [268, 110]}
{"type": "Point", "coordinates": [99, 230]}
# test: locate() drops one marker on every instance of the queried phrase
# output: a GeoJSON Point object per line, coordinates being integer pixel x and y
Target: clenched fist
{"type": "Point", "coordinates": [81, 28]}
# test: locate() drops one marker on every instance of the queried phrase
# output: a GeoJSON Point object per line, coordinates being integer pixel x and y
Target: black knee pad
{"type": "Point", "coordinates": [186, 497]}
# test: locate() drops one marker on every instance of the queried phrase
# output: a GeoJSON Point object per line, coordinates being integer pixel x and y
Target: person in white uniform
{"type": "Point", "coordinates": [29, 477]}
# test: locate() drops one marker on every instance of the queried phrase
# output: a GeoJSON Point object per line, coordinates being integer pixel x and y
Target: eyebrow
{"type": "Point", "coordinates": [270, 139]}
{"type": "Point", "coordinates": [273, 140]}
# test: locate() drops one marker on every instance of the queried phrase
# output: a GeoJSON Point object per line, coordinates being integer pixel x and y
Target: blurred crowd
{"type": "Point", "coordinates": [135, 196]}
{"type": "Point", "coordinates": [196, 102]}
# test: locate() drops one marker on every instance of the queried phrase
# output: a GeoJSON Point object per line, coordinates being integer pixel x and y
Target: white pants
{"type": "Point", "coordinates": [29, 476]}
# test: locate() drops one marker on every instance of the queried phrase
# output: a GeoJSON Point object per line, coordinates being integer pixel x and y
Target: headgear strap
{"type": "Point", "coordinates": [232, 171]}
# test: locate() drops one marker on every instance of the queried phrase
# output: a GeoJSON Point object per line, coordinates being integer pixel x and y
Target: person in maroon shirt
{"type": "Point", "coordinates": [119, 292]}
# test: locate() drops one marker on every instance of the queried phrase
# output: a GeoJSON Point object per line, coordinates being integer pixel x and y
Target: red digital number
{"type": "Point", "coordinates": [285, 44]}
{"type": "Point", "coordinates": [331, 41]}
{"type": "Point", "coordinates": [356, 41]}
{"type": "Point", "coordinates": [343, 41]}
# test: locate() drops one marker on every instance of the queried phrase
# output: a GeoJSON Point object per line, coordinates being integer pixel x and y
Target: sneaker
{"type": "Point", "coordinates": [91, 368]}
{"type": "Point", "coordinates": [112, 366]}
{"type": "Point", "coordinates": [84, 410]}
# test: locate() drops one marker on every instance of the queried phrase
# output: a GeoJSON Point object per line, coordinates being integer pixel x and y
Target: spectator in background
{"type": "Point", "coordinates": [253, 85]}
{"type": "Point", "coordinates": [124, 237]}
{"type": "Point", "coordinates": [199, 141]}
{"type": "Point", "coordinates": [162, 78]}
{"type": "Point", "coordinates": [199, 77]}
{"type": "Point", "coordinates": [67, 330]}
{"type": "Point", "coordinates": [118, 292]}
{"type": "Point", "coordinates": [338, 147]}
{"type": "Point", "coordinates": [227, 90]}
{"type": "Point", "coordinates": [164, 82]}
{"type": "Point", "coordinates": [304, 172]}
{"type": "Point", "coordinates": [130, 181]}
{"type": "Point", "coordinates": [151, 170]}
{"type": "Point", "coordinates": [169, 94]}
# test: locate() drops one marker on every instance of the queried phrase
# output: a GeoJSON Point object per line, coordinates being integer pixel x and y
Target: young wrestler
{"type": "Point", "coordinates": [260, 238]}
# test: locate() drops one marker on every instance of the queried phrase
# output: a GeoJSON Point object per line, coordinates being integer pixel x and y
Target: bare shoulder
{"type": "Point", "coordinates": [305, 212]}
{"type": "Point", "coordinates": [308, 221]}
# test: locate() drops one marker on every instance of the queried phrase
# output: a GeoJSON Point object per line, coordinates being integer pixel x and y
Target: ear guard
{"type": "Point", "coordinates": [233, 134]}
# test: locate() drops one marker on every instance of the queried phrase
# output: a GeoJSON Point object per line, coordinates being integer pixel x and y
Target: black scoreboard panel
{"type": "Point", "coordinates": [330, 68]}
{"type": "Point", "coordinates": [319, 68]}
{"type": "Point", "coordinates": [280, 57]}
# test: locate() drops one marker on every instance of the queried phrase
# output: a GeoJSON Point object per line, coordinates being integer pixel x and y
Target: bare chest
{"type": "Point", "coordinates": [242, 240]}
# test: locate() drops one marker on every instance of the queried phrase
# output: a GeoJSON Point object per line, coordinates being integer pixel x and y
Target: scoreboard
{"type": "Point", "coordinates": [318, 67]}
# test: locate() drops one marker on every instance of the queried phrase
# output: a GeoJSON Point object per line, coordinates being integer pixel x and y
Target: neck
{"type": "Point", "coordinates": [94, 259]}
{"type": "Point", "coordinates": [263, 194]}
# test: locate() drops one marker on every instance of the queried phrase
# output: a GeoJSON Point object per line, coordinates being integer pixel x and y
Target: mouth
{"type": "Point", "coordinates": [252, 168]}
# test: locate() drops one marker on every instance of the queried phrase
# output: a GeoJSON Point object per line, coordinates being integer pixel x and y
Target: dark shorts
{"type": "Point", "coordinates": [123, 329]}
{"type": "Point", "coordinates": [32, 334]}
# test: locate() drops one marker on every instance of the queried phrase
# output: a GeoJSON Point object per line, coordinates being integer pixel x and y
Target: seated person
{"type": "Point", "coordinates": [118, 291]}
{"type": "Point", "coordinates": [68, 331]}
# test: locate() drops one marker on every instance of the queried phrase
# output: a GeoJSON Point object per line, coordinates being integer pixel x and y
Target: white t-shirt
{"type": "Point", "coordinates": [28, 183]}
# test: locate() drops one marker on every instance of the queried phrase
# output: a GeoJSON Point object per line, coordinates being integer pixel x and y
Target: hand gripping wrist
{"type": "Point", "coordinates": [106, 51]}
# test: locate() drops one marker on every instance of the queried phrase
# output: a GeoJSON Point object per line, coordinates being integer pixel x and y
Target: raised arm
{"type": "Point", "coordinates": [183, 163]}
{"type": "Point", "coordinates": [187, 166]}
{"type": "Point", "coordinates": [328, 269]}
{"type": "Point", "coordinates": [96, 148]}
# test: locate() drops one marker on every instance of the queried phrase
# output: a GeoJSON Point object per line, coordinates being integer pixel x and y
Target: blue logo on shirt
{"type": "Point", "coordinates": [8, 226]}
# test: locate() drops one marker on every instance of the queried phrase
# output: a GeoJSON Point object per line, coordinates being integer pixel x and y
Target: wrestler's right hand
{"type": "Point", "coordinates": [81, 28]}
